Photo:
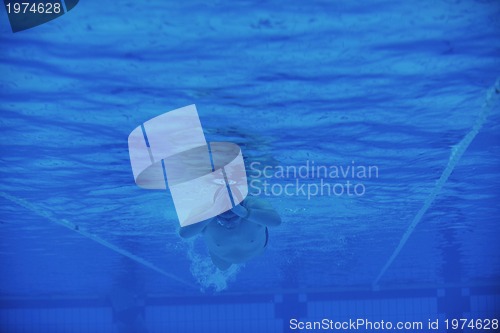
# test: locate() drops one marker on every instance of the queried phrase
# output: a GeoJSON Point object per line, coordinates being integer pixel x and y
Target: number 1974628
{"type": "Point", "coordinates": [33, 7]}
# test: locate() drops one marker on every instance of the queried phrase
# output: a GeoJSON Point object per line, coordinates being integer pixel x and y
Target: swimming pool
{"type": "Point", "coordinates": [395, 86]}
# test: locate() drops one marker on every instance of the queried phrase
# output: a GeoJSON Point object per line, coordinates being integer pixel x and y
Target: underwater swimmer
{"type": "Point", "coordinates": [236, 235]}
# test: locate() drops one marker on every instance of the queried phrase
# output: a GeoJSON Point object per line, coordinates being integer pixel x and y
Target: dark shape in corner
{"type": "Point", "coordinates": [28, 14]}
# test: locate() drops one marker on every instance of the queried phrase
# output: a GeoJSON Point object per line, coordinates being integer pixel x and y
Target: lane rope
{"type": "Point", "coordinates": [492, 95]}
{"type": "Point", "coordinates": [76, 228]}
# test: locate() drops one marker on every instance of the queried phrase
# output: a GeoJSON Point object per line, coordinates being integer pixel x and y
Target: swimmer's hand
{"type": "Point", "coordinates": [240, 211]}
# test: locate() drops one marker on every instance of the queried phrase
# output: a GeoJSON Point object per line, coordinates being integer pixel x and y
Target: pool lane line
{"type": "Point", "coordinates": [228, 188]}
{"type": "Point", "coordinates": [226, 181]}
{"type": "Point", "coordinates": [492, 95]}
{"type": "Point", "coordinates": [211, 157]}
{"type": "Point", "coordinates": [74, 227]}
{"type": "Point", "coordinates": [147, 144]}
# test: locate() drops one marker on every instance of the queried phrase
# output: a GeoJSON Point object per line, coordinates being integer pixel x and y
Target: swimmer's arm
{"type": "Point", "coordinates": [266, 217]}
{"type": "Point", "coordinates": [260, 213]}
{"type": "Point", "coordinates": [193, 229]}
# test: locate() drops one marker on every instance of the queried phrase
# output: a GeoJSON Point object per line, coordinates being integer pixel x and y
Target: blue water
{"type": "Point", "coordinates": [393, 84]}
